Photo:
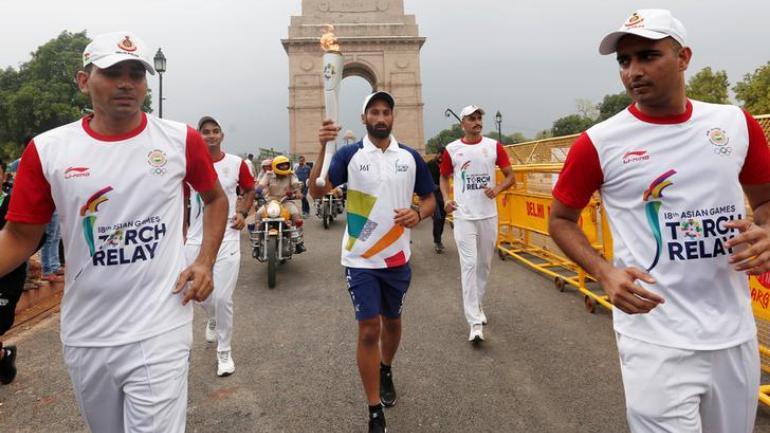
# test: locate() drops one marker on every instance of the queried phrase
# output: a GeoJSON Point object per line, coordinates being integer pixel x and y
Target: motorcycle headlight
{"type": "Point", "coordinates": [273, 210]}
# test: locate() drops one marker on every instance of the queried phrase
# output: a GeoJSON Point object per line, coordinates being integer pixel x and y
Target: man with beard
{"type": "Point", "coordinates": [685, 331]}
{"type": "Point", "coordinates": [382, 176]}
{"type": "Point", "coordinates": [233, 173]}
{"type": "Point", "coordinates": [472, 160]}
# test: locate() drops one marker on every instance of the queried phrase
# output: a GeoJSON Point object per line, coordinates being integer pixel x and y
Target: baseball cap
{"type": "Point", "coordinates": [108, 49]}
{"type": "Point", "coordinates": [467, 111]}
{"type": "Point", "coordinates": [206, 119]}
{"type": "Point", "coordinates": [380, 95]}
{"type": "Point", "coordinates": [648, 23]}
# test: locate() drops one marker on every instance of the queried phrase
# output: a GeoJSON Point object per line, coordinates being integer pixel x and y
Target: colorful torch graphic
{"type": "Point", "coordinates": [652, 210]}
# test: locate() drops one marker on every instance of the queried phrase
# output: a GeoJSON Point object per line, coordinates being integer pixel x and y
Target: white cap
{"type": "Point", "coordinates": [108, 49]}
{"type": "Point", "coordinates": [467, 111]}
{"type": "Point", "coordinates": [380, 95]}
{"type": "Point", "coordinates": [648, 23]}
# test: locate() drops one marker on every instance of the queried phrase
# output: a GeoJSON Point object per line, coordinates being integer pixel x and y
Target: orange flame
{"type": "Point", "coordinates": [329, 40]}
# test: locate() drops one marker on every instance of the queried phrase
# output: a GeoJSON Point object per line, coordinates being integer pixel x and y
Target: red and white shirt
{"type": "Point", "coordinates": [473, 165]}
{"type": "Point", "coordinates": [232, 172]}
{"type": "Point", "coordinates": [668, 186]}
{"type": "Point", "coordinates": [120, 205]}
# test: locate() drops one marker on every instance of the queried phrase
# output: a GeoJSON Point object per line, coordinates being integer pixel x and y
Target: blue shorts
{"type": "Point", "coordinates": [377, 292]}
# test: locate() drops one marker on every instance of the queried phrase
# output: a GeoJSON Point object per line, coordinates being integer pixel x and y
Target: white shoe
{"type": "Point", "coordinates": [477, 333]}
{"type": "Point", "coordinates": [225, 364]}
{"type": "Point", "coordinates": [211, 330]}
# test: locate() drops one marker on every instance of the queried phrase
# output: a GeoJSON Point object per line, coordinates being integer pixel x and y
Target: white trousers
{"type": "Point", "coordinates": [476, 246]}
{"type": "Point", "coordinates": [135, 388]}
{"type": "Point", "coordinates": [671, 390]}
{"type": "Point", "coordinates": [219, 305]}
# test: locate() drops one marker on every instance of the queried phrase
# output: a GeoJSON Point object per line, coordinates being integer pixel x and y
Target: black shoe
{"type": "Point", "coordinates": [8, 365]}
{"type": "Point", "coordinates": [300, 248]}
{"type": "Point", "coordinates": [439, 247]}
{"type": "Point", "coordinates": [377, 422]}
{"type": "Point", "coordinates": [387, 389]}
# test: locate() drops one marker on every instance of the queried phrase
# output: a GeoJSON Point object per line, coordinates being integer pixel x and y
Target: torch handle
{"type": "Point", "coordinates": [333, 64]}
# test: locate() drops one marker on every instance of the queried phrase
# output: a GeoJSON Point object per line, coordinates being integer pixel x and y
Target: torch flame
{"type": "Point", "coordinates": [329, 40]}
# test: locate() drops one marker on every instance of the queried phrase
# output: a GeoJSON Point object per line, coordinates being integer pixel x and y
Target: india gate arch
{"type": "Point", "coordinates": [380, 44]}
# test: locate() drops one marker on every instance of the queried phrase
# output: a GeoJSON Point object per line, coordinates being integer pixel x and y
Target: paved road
{"type": "Point", "coordinates": [547, 367]}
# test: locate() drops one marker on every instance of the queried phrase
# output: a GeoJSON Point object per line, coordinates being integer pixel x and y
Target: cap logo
{"type": "Point", "coordinates": [127, 45]}
{"type": "Point", "coordinates": [634, 21]}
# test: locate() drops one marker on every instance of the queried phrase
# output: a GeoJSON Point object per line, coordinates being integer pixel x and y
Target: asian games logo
{"type": "Point", "coordinates": [329, 71]}
{"type": "Point", "coordinates": [719, 140]}
{"type": "Point", "coordinates": [88, 212]}
{"type": "Point", "coordinates": [464, 173]}
{"type": "Point", "coordinates": [653, 196]}
{"type": "Point", "coordinates": [157, 160]}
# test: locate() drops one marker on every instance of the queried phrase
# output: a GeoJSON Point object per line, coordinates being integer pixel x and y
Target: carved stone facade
{"type": "Point", "coordinates": [380, 44]}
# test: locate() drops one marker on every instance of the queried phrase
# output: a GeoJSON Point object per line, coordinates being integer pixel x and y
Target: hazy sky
{"type": "Point", "coordinates": [531, 60]}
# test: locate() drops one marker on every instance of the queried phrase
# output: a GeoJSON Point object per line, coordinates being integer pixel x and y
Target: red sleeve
{"type": "Point", "coordinates": [581, 175]}
{"type": "Point", "coordinates": [502, 157]}
{"type": "Point", "coordinates": [200, 169]}
{"type": "Point", "coordinates": [245, 179]}
{"type": "Point", "coordinates": [446, 164]}
{"type": "Point", "coordinates": [31, 201]}
{"type": "Point", "coordinates": [756, 166]}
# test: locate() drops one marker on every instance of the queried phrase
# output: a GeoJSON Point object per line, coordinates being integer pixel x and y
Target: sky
{"type": "Point", "coordinates": [530, 60]}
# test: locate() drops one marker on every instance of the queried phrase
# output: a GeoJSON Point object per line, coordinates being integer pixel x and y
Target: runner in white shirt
{"type": "Point", "coordinates": [672, 174]}
{"type": "Point", "coordinates": [472, 159]}
{"type": "Point", "coordinates": [115, 177]}
{"type": "Point", "coordinates": [233, 173]}
{"type": "Point", "coordinates": [382, 176]}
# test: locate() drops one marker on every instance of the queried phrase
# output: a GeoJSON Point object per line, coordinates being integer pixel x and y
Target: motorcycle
{"type": "Point", "coordinates": [274, 238]}
{"type": "Point", "coordinates": [328, 207]}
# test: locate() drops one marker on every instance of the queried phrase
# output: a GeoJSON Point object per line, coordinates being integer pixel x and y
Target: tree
{"type": "Point", "coordinates": [586, 108]}
{"type": "Point", "coordinates": [709, 86]}
{"type": "Point", "coordinates": [572, 124]}
{"type": "Point", "coordinates": [613, 104]}
{"type": "Point", "coordinates": [443, 138]}
{"type": "Point", "coordinates": [516, 137]}
{"type": "Point", "coordinates": [754, 90]}
{"type": "Point", "coordinates": [42, 93]}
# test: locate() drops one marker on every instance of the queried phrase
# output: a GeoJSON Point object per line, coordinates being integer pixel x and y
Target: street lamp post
{"type": "Point", "coordinates": [448, 112]}
{"type": "Point", "coordinates": [499, 121]}
{"type": "Point", "coordinates": [160, 67]}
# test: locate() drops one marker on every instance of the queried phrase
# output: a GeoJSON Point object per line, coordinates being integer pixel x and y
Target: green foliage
{"type": "Point", "coordinates": [443, 138]}
{"type": "Point", "coordinates": [42, 93]}
{"type": "Point", "coordinates": [516, 137]}
{"type": "Point", "coordinates": [613, 104]}
{"type": "Point", "coordinates": [709, 86]}
{"type": "Point", "coordinates": [754, 91]}
{"type": "Point", "coordinates": [572, 124]}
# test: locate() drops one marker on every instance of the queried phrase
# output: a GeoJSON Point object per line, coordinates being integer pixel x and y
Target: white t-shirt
{"type": "Point", "coordinates": [668, 186]}
{"type": "Point", "coordinates": [378, 183]}
{"type": "Point", "coordinates": [473, 166]}
{"type": "Point", "coordinates": [232, 172]}
{"type": "Point", "coordinates": [120, 203]}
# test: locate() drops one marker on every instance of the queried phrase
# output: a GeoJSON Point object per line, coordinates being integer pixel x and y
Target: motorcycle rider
{"type": "Point", "coordinates": [281, 183]}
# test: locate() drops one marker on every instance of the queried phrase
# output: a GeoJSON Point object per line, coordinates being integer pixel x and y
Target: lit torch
{"type": "Point", "coordinates": [333, 63]}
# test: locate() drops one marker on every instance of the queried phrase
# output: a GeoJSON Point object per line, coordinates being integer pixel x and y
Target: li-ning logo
{"type": "Point", "coordinates": [653, 196]}
{"type": "Point", "coordinates": [88, 212]}
{"type": "Point", "coordinates": [76, 172]}
{"type": "Point", "coordinates": [127, 44]}
{"type": "Point", "coordinates": [635, 156]}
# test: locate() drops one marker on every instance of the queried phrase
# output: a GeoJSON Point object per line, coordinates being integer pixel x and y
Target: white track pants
{"type": "Point", "coordinates": [476, 246]}
{"type": "Point", "coordinates": [219, 305]}
{"type": "Point", "coordinates": [135, 388]}
{"type": "Point", "coordinates": [671, 390]}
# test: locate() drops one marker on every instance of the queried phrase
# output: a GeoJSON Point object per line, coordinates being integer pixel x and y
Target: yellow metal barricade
{"type": "Point", "coordinates": [523, 213]}
{"type": "Point", "coordinates": [760, 303]}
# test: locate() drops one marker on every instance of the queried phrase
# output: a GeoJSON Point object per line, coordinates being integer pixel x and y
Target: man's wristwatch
{"type": "Point", "coordinates": [416, 208]}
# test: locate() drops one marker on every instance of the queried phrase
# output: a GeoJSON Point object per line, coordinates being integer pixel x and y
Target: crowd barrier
{"type": "Point", "coordinates": [523, 232]}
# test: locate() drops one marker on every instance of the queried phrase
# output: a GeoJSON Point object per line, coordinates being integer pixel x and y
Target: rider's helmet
{"type": "Point", "coordinates": [281, 165]}
{"type": "Point", "coordinates": [267, 164]}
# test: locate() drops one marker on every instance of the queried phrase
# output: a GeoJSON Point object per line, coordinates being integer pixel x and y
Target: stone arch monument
{"type": "Point", "coordinates": [380, 43]}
